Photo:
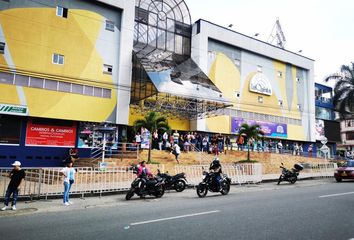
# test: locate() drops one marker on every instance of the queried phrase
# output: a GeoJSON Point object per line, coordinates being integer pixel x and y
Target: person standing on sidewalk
{"type": "Point", "coordinates": [17, 175]}
{"type": "Point", "coordinates": [69, 175]}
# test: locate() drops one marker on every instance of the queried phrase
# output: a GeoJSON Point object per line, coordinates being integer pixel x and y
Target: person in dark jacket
{"type": "Point", "coordinates": [17, 175]}
{"type": "Point", "coordinates": [216, 169]}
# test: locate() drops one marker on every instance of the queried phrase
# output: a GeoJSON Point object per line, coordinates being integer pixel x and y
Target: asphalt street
{"type": "Point", "coordinates": [318, 209]}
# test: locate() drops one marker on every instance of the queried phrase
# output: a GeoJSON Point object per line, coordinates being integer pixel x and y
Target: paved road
{"type": "Point", "coordinates": [306, 210]}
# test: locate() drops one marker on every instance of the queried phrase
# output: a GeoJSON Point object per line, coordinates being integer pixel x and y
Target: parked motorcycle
{"type": "Point", "coordinates": [177, 182]}
{"type": "Point", "coordinates": [209, 184]}
{"type": "Point", "coordinates": [153, 186]}
{"type": "Point", "coordinates": [290, 175]}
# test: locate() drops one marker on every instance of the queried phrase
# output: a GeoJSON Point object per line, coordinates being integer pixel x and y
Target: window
{"type": "Point", "coordinates": [211, 54]}
{"type": "Point", "coordinates": [6, 78]}
{"type": "Point", "coordinates": [349, 123]}
{"type": "Point", "coordinates": [78, 89]}
{"type": "Point", "coordinates": [62, 12]}
{"type": "Point", "coordinates": [299, 107]}
{"type": "Point", "coordinates": [88, 90]}
{"type": "Point", "coordinates": [350, 136]}
{"type": "Point", "coordinates": [10, 129]}
{"type": "Point", "coordinates": [280, 74]}
{"type": "Point", "coordinates": [21, 80]}
{"type": "Point", "coordinates": [237, 62]}
{"type": "Point", "coordinates": [64, 87]}
{"type": "Point", "coordinates": [259, 68]}
{"type": "Point", "coordinates": [97, 92]}
{"type": "Point", "coordinates": [260, 99]}
{"type": "Point", "coordinates": [106, 93]}
{"type": "Point", "coordinates": [2, 47]}
{"type": "Point", "coordinates": [238, 94]}
{"type": "Point", "coordinates": [51, 85]}
{"type": "Point", "coordinates": [108, 69]}
{"type": "Point", "coordinates": [280, 102]}
{"type": "Point", "coordinates": [58, 59]}
{"type": "Point", "coordinates": [110, 25]}
{"type": "Point", "coordinates": [36, 82]}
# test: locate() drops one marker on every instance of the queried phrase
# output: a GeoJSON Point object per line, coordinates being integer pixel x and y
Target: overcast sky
{"type": "Point", "coordinates": [322, 29]}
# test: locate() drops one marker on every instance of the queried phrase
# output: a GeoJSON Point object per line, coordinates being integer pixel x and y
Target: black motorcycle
{"type": "Point", "coordinates": [177, 182]}
{"type": "Point", "coordinates": [209, 184]}
{"type": "Point", "coordinates": [153, 186]}
{"type": "Point", "coordinates": [290, 175]}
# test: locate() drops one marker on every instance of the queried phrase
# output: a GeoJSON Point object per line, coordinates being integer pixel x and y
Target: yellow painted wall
{"type": "Point", "coordinates": [219, 124]}
{"type": "Point", "coordinates": [227, 78]}
{"type": "Point", "coordinates": [31, 44]}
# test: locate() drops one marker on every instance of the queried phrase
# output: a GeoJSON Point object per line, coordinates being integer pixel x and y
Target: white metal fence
{"type": "Point", "coordinates": [44, 182]}
{"type": "Point", "coordinates": [239, 174]}
{"type": "Point", "coordinates": [321, 170]}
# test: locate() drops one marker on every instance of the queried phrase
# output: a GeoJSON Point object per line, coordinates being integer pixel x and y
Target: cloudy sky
{"type": "Point", "coordinates": [322, 29]}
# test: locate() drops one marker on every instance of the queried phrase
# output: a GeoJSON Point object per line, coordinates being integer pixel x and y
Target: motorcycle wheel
{"type": "Point", "coordinates": [225, 188]}
{"type": "Point", "coordinates": [293, 180]}
{"type": "Point", "coordinates": [160, 192]}
{"type": "Point", "coordinates": [129, 195]}
{"type": "Point", "coordinates": [338, 179]}
{"type": "Point", "coordinates": [202, 190]}
{"type": "Point", "coordinates": [180, 186]}
{"type": "Point", "coordinates": [279, 180]}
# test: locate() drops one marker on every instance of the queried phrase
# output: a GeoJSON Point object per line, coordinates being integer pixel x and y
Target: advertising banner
{"type": "Point", "coordinates": [270, 129]}
{"type": "Point", "coordinates": [145, 139]}
{"type": "Point", "coordinates": [50, 135]}
{"type": "Point", "coordinates": [319, 129]}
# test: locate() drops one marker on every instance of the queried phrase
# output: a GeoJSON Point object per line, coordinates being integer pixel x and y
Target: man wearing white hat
{"type": "Point", "coordinates": [17, 175]}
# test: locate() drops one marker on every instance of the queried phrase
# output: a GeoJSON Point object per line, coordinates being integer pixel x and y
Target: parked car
{"type": "Point", "coordinates": [345, 172]}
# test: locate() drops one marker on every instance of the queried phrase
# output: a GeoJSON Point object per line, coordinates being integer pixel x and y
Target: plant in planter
{"type": "Point", "coordinates": [152, 121]}
{"type": "Point", "coordinates": [250, 131]}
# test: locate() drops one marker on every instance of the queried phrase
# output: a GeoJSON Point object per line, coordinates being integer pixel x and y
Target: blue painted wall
{"type": "Point", "coordinates": [35, 156]}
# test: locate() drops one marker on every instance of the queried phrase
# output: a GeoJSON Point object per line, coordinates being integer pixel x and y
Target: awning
{"type": "Point", "coordinates": [180, 88]}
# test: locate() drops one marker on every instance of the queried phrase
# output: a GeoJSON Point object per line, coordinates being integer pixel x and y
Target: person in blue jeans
{"type": "Point", "coordinates": [69, 177]}
{"type": "Point", "coordinates": [17, 175]}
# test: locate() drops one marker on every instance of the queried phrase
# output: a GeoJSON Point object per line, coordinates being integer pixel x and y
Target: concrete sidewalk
{"type": "Point", "coordinates": [117, 200]}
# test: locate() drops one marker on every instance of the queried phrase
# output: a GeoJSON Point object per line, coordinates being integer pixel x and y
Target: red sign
{"type": "Point", "coordinates": [50, 135]}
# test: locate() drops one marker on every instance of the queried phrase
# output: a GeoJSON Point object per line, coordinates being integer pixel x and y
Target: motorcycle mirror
{"type": "Point", "coordinates": [202, 168]}
{"type": "Point", "coordinates": [282, 164]}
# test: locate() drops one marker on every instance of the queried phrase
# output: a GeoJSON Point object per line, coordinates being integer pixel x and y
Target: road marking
{"type": "Point", "coordinates": [172, 218]}
{"type": "Point", "coordinates": [337, 194]}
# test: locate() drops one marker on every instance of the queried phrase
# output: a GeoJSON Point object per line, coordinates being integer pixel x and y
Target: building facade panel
{"type": "Point", "coordinates": [261, 84]}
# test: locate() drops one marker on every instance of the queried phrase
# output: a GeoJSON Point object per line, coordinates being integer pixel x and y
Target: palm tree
{"type": "Point", "coordinates": [152, 122]}
{"type": "Point", "coordinates": [343, 99]}
{"type": "Point", "coordinates": [253, 131]}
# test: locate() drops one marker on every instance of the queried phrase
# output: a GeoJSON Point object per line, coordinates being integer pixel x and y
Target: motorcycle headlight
{"type": "Point", "coordinates": [335, 171]}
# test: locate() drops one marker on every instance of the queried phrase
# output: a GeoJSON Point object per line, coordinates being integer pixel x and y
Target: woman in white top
{"type": "Point", "coordinates": [69, 175]}
{"type": "Point", "coordinates": [176, 151]}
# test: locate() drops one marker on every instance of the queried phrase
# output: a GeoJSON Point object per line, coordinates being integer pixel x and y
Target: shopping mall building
{"type": "Point", "coordinates": [68, 67]}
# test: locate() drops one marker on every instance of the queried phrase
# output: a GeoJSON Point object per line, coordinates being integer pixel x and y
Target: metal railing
{"type": "Point", "coordinates": [239, 173]}
{"type": "Point", "coordinates": [118, 150]}
{"type": "Point", "coordinates": [45, 182]}
{"type": "Point", "coordinates": [321, 170]}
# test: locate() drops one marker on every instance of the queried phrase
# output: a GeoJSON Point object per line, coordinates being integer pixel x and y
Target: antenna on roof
{"type": "Point", "coordinates": [277, 35]}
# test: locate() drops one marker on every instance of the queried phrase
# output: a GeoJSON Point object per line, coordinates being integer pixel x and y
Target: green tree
{"type": "Point", "coordinates": [343, 99]}
{"type": "Point", "coordinates": [152, 121]}
{"type": "Point", "coordinates": [250, 131]}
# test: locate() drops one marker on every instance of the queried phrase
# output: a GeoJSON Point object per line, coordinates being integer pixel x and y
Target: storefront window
{"type": "Point", "coordinates": [91, 135]}
{"type": "Point", "coordinates": [10, 129]}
